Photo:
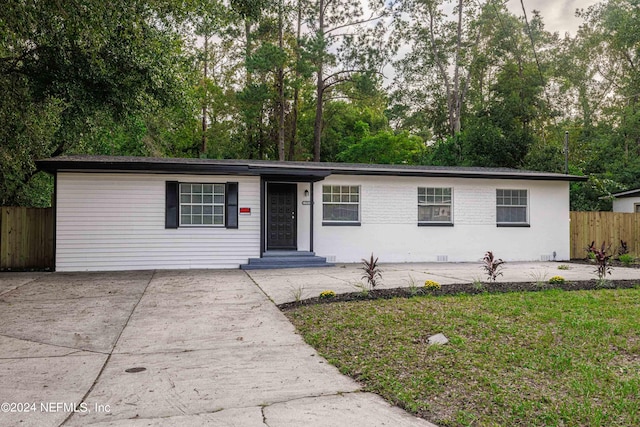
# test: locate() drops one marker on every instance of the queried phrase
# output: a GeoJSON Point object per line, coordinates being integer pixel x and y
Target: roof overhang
{"type": "Point", "coordinates": [622, 195]}
{"type": "Point", "coordinates": [273, 170]}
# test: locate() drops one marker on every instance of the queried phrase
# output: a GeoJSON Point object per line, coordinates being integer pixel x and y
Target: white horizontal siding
{"type": "Point", "coordinates": [108, 221]}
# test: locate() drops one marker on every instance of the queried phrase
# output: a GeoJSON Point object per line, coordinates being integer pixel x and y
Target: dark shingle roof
{"type": "Point", "coordinates": [316, 170]}
{"type": "Point", "coordinates": [629, 193]}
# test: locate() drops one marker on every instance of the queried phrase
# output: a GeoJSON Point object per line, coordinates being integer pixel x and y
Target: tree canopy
{"type": "Point", "coordinates": [412, 81]}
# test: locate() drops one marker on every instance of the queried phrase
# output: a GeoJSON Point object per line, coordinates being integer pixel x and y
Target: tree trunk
{"type": "Point", "coordinates": [248, 83]}
{"type": "Point", "coordinates": [203, 145]}
{"type": "Point", "coordinates": [296, 91]}
{"type": "Point", "coordinates": [317, 125]}
{"type": "Point", "coordinates": [457, 101]}
{"type": "Point", "coordinates": [280, 78]}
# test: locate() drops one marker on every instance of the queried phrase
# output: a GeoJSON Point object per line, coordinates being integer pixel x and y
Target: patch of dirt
{"type": "Point", "coordinates": [464, 288]}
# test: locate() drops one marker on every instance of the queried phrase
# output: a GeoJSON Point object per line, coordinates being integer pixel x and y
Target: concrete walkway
{"type": "Point", "coordinates": [188, 348]}
{"type": "Point", "coordinates": [286, 285]}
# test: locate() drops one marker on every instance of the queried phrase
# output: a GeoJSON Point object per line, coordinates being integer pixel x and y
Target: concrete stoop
{"type": "Point", "coordinates": [286, 259]}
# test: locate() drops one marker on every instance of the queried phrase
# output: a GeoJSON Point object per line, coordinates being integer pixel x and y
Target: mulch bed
{"type": "Point", "coordinates": [464, 288]}
{"type": "Point", "coordinates": [612, 263]}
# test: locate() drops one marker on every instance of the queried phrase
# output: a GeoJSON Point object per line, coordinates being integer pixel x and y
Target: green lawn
{"type": "Point", "coordinates": [551, 358]}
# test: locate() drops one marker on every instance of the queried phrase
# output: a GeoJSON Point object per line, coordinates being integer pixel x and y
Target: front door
{"type": "Point", "coordinates": [281, 216]}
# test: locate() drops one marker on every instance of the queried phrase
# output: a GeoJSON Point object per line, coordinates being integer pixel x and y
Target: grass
{"type": "Point", "coordinates": [550, 358]}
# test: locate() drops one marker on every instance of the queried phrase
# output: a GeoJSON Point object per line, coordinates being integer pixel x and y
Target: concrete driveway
{"type": "Point", "coordinates": [189, 348]}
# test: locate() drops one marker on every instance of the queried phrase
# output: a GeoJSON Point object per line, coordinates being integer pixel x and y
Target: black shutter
{"type": "Point", "coordinates": [171, 205]}
{"type": "Point", "coordinates": [231, 205]}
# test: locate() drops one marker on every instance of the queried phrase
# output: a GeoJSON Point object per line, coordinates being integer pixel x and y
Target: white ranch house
{"type": "Point", "coordinates": [627, 201]}
{"type": "Point", "coordinates": [130, 213]}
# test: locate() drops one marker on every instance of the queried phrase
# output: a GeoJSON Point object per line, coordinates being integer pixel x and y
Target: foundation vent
{"type": "Point", "coordinates": [545, 258]}
{"type": "Point", "coordinates": [331, 258]}
{"type": "Point", "coordinates": [442, 258]}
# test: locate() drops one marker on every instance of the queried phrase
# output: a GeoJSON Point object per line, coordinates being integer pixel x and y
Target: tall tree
{"type": "Point", "coordinates": [340, 46]}
{"type": "Point", "coordinates": [438, 65]}
{"type": "Point", "coordinates": [62, 65]}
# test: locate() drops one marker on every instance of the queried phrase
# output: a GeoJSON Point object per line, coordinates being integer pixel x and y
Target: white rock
{"type": "Point", "coordinates": [438, 339]}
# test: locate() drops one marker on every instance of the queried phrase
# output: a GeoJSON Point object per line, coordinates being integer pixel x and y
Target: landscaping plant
{"type": "Point", "coordinates": [372, 273]}
{"type": "Point", "coordinates": [556, 280]}
{"type": "Point", "coordinates": [626, 259]}
{"type": "Point", "coordinates": [327, 294]}
{"type": "Point", "coordinates": [413, 287]}
{"type": "Point", "coordinates": [602, 258]}
{"type": "Point", "coordinates": [591, 251]}
{"type": "Point", "coordinates": [432, 285]}
{"type": "Point", "coordinates": [492, 266]}
{"type": "Point", "coordinates": [623, 249]}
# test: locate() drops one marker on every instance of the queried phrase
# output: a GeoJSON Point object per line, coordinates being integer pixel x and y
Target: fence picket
{"type": "Point", "coordinates": [26, 238]}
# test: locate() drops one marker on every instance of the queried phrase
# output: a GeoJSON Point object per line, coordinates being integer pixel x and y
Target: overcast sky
{"type": "Point", "coordinates": [558, 15]}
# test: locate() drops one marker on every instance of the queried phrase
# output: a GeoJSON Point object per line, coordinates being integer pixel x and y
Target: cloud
{"type": "Point", "coordinates": [557, 15]}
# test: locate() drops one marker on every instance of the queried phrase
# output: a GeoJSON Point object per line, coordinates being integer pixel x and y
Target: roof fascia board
{"type": "Point", "coordinates": [311, 173]}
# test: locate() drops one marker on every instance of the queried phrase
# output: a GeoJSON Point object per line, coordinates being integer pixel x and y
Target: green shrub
{"type": "Point", "coordinates": [327, 294]}
{"type": "Point", "coordinates": [556, 280]}
{"type": "Point", "coordinates": [626, 259]}
{"type": "Point", "coordinates": [563, 267]}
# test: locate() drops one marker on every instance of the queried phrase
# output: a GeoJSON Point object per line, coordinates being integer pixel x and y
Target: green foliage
{"type": "Point", "coordinates": [81, 79]}
{"type": "Point", "coordinates": [413, 286]}
{"type": "Point", "coordinates": [127, 78]}
{"type": "Point", "coordinates": [626, 259]}
{"type": "Point", "coordinates": [385, 147]}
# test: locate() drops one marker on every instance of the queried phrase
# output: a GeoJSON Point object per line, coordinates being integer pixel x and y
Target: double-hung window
{"type": "Point", "coordinates": [340, 205]}
{"type": "Point", "coordinates": [435, 206]}
{"type": "Point", "coordinates": [202, 204]}
{"type": "Point", "coordinates": [512, 207]}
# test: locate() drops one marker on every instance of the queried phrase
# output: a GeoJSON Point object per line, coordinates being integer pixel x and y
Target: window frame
{"type": "Point", "coordinates": [526, 222]}
{"type": "Point", "coordinates": [426, 203]}
{"type": "Point", "coordinates": [202, 204]}
{"type": "Point", "coordinates": [341, 222]}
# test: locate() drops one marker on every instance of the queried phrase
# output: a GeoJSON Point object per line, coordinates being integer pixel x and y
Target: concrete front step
{"type": "Point", "coordinates": [286, 259]}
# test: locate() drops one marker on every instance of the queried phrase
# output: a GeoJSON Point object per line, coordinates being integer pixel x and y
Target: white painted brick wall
{"type": "Point", "coordinates": [389, 221]}
{"type": "Point", "coordinates": [474, 205]}
{"type": "Point", "coordinates": [388, 203]}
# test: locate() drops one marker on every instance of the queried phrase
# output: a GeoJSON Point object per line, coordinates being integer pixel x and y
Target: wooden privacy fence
{"type": "Point", "coordinates": [608, 227]}
{"type": "Point", "coordinates": [26, 238]}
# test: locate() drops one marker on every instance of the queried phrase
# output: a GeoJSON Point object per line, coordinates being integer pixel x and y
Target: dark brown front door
{"type": "Point", "coordinates": [281, 216]}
